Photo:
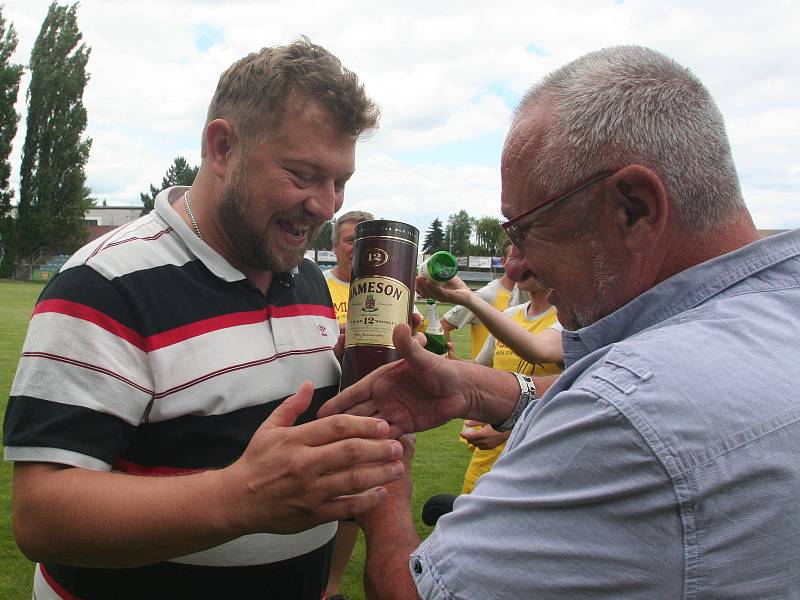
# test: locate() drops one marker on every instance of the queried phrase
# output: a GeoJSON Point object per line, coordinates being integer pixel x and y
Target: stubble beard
{"type": "Point", "coordinates": [607, 276]}
{"type": "Point", "coordinates": [251, 244]}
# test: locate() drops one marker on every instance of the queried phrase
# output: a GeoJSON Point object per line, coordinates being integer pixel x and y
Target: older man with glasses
{"type": "Point", "coordinates": [665, 462]}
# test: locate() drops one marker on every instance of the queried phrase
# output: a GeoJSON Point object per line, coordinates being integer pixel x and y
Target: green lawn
{"type": "Point", "coordinates": [439, 462]}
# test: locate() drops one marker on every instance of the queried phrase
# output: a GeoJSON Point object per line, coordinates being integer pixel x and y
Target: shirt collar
{"type": "Point", "coordinates": [202, 251]}
{"type": "Point", "coordinates": [681, 292]}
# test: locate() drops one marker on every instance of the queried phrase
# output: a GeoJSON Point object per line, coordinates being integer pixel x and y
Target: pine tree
{"type": "Point", "coordinates": [434, 238]}
{"type": "Point", "coordinates": [53, 193]}
{"type": "Point", "coordinates": [179, 173]}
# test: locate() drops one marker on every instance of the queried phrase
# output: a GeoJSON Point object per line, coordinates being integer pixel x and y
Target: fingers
{"type": "Point", "coordinates": [337, 427]}
{"type": "Point", "coordinates": [409, 443]}
{"type": "Point", "coordinates": [347, 454]}
{"type": "Point", "coordinates": [359, 478]}
{"type": "Point", "coordinates": [292, 407]}
{"type": "Point", "coordinates": [346, 507]}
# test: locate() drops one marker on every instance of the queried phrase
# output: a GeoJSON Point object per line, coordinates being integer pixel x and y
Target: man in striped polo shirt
{"type": "Point", "coordinates": [150, 420]}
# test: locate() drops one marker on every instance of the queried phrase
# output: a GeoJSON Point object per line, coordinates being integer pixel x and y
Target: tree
{"type": "Point", "coordinates": [10, 74]}
{"type": "Point", "coordinates": [179, 173]}
{"type": "Point", "coordinates": [323, 239]}
{"type": "Point", "coordinates": [434, 238]}
{"type": "Point", "coordinates": [53, 193]}
{"type": "Point", "coordinates": [489, 236]}
{"type": "Point", "coordinates": [458, 232]}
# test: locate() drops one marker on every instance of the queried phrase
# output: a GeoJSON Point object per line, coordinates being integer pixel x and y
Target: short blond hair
{"type": "Point", "coordinates": [252, 94]}
{"type": "Point", "coordinates": [354, 216]}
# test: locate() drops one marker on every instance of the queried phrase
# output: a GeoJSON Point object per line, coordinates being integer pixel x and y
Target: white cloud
{"type": "Point", "coordinates": [444, 73]}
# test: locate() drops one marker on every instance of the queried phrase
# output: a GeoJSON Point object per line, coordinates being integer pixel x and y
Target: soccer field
{"type": "Point", "coordinates": [439, 462]}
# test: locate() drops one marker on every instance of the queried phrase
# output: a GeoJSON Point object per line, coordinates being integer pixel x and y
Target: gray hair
{"type": "Point", "coordinates": [629, 104]}
{"type": "Point", "coordinates": [354, 216]}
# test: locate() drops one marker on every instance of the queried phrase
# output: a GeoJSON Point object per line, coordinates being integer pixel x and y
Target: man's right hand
{"type": "Point", "coordinates": [292, 478]}
{"type": "Point", "coordinates": [419, 392]}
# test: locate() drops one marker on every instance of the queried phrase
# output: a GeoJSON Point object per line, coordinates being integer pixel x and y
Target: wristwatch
{"type": "Point", "coordinates": [527, 395]}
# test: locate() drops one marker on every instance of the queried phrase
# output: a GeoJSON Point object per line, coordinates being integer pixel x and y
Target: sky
{"type": "Point", "coordinates": [447, 75]}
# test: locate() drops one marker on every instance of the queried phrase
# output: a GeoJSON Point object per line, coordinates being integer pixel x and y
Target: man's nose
{"type": "Point", "coordinates": [325, 202]}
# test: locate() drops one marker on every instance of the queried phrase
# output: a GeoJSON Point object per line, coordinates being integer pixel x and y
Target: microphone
{"type": "Point", "coordinates": [436, 506]}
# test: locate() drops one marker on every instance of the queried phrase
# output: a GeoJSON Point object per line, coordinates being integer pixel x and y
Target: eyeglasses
{"type": "Point", "coordinates": [518, 231]}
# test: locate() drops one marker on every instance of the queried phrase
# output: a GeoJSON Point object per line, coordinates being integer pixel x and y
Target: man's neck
{"type": "Point", "coordinates": [507, 282]}
{"type": "Point", "coordinates": [691, 249]}
{"type": "Point", "coordinates": [338, 272]}
{"type": "Point", "coordinates": [539, 302]}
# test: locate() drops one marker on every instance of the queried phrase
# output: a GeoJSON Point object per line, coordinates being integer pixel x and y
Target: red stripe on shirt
{"type": "Point", "coordinates": [299, 310]}
{"type": "Point", "coordinates": [87, 313]}
{"type": "Point", "coordinates": [190, 330]}
{"type": "Point", "coordinates": [183, 332]}
{"type": "Point", "coordinates": [125, 466]}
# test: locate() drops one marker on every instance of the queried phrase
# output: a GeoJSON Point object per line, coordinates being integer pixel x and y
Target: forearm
{"type": "Point", "coordinates": [391, 538]}
{"type": "Point", "coordinates": [536, 348]}
{"type": "Point", "coordinates": [490, 394]}
{"type": "Point", "coordinates": [83, 517]}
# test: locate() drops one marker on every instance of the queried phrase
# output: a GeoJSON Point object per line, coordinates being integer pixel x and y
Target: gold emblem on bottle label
{"type": "Point", "coordinates": [377, 305]}
{"type": "Point", "coordinates": [374, 257]}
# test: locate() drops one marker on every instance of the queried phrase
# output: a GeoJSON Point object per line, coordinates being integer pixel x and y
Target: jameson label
{"type": "Point", "coordinates": [377, 305]}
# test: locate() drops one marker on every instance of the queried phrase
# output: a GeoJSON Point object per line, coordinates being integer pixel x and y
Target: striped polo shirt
{"type": "Point", "coordinates": [149, 354]}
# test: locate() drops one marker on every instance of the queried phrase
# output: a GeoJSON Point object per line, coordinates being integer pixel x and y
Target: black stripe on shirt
{"type": "Point", "coordinates": [300, 578]}
{"type": "Point", "coordinates": [209, 441]}
{"type": "Point", "coordinates": [33, 422]}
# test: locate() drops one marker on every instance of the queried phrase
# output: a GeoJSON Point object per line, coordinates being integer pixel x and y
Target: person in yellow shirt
{"type": "Point", "coordinates": [501, 293]}
{"type": "Point", "coordinates": [338, 278]}
{"type": "Point", "coordinates": [510, 347]}
{"type": "Point", "coordinates": [538, 318]}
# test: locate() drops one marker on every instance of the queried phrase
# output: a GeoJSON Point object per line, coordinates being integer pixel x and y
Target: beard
{"type": "Point", "coordinates": [251, 244]}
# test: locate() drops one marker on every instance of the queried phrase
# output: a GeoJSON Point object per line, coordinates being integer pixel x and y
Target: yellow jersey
{"type": "Point", "coordinates": [340, 294]}
{"type": "Point", "coordinates": [496, 354]}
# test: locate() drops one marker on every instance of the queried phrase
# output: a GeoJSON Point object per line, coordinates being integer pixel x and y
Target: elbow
{"type": "Point", "coordinates": [25, 529]}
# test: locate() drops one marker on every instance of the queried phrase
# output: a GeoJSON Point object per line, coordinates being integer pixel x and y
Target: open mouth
{"type": "Point", "coordinates": [294, 229]}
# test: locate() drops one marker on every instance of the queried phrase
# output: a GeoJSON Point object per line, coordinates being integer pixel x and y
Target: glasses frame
{"type": "Point", "coordinates": [517, 232]}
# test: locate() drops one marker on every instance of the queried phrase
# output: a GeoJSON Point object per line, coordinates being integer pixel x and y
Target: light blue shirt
{"type": "Point", "coordinates": [664, 463]}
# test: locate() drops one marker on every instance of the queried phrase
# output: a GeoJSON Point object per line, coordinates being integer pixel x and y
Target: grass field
{"type": "Point", "coordinates": [439, 462]}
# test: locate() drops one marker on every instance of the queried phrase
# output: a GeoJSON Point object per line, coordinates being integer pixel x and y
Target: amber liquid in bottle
{"type": "Point", "coordinates": [381, 295]}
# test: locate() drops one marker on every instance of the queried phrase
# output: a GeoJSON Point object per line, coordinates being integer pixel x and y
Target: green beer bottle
{"type": "Point", "coordinates": [434, 332]}
{"type": "Point", "coordinates": [439, 267]}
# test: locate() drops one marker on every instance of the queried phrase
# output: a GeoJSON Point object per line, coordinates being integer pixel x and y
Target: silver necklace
{"type": "Point", "coordinates": [191, 216]}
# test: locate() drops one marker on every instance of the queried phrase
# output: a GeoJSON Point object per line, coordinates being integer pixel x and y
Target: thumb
{"type": "Point", "coordinates": [409, 347]}
{"type": "Point", "coordinates": [292, 407]}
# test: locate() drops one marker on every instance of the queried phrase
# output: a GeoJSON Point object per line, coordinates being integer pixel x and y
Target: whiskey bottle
{"type": "Point", "coordinates": [381, 295]}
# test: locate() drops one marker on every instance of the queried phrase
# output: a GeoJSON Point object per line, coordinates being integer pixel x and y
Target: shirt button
{"type": "Point", "coordinates": [417, 566]}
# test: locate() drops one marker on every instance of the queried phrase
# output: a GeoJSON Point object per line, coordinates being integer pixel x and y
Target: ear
{"type": "Point", "coordinates": [641, 206]}
{"type": "Point", "coordinates": [220, 143]}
